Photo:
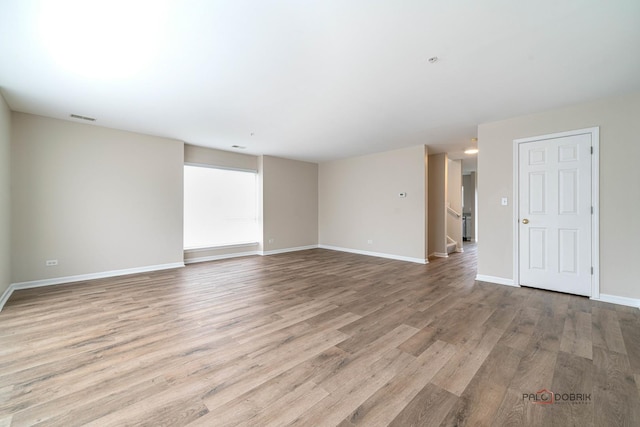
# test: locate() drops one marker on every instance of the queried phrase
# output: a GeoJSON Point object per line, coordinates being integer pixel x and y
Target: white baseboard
{"type": "Point", "coordinates": [376, 254]}
{"type": "Point", "coordinates": [218, 257]}
{"type": "Point", "coordinates": [497, 280]}
{"type": "Point", "coordinates": [439, 254]}
{"type": "Point", "coordinates": [613, 299]}
{"type": "Point", "coordinates": [631, 302]}
{"type": "Point", "coordinates": [82, 278]}
{"type": "Point", "coordinates": [242, 254]}
{"type": "Point", "coordinates": [285, 250]}
{"type": "Point", "coordinates": [5, 296]}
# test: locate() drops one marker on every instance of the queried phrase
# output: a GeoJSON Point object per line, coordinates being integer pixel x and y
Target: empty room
{"type": "Point", "coordinates": [319, 213]}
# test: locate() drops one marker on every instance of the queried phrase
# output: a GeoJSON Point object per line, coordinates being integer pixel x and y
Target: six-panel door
{"type": "Point", "coordinates": [555, 214]}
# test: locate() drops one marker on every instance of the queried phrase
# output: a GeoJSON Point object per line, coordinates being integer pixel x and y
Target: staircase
{"type": "Point", "coordinates": [451, 245]}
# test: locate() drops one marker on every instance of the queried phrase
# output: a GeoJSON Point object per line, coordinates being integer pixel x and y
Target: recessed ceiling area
{"type": "Point", "coordinates": [314, 81]}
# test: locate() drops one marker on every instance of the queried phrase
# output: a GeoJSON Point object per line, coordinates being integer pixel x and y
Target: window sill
{"type": "Point", "coordinates": [213, 248]}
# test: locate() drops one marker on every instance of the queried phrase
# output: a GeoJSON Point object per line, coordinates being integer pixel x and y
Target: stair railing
{"type": "Point", "coordinates": [453, 212]}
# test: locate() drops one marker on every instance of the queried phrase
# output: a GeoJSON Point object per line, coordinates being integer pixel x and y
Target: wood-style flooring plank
{"type": "Point", "coordinates": [331, 410]}
{"type": "Point", "coordinates": [478, 404]}
{"type": "Point", "coordinates": [576, 335]}
{"type": "Point", "coordinates": [382, 407]}
{"type": "Point", "coordinates": [246, 407]}
{"type": "Point", "coordinates": [316, 338]}
{"type": "Point", "coordinates": [573, 375]}
{"type": "Point", "coordinates": [460, 370]}
{"type": "Point", "coordinates": [630, 329]}
{"type": "Point", "coordinates": [521, 329]}
{"type": "Point", "coordinates": [614, 389]}
{"type": "Point", "coordinates": [534, 373]}
{"type": "Point", "coordinates": [358, 364]}
{"type": "Point", "coordinates": [428, 408]}
{"type": "Point", "coordinates": [606, 331]}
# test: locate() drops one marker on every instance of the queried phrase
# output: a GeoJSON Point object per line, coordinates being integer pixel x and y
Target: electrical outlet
{"type": "Point", "coordinates": [370, 242]}
{"type": "Point", "coordinates": [51, 262]}
{"type": "Point", "coordinates": [272, 240]}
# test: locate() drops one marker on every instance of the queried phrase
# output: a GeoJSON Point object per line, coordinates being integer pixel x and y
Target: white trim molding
{"type": "Point", "coordinates": [439, 254]}
{"type": "Point", "coordinates": [285, 250]}
{"type": "Point", "coordinates": [227, 168]}
{"type": "Point", "coordinates": [595, 202]}
{"type": "Point", "coordinates": [375, 254]}
{"type": "Point", "coordinates": [221, 247]}
{"type": "Point", "coordinates": [5, 296]}
{"type": "Point", "coordinates": [250, 253]}
{"type": "Point", "coordinates": [614, 299]}
{"type": "Point", "coordinates": [496, 280]}
{"type": "Point", "coordinates": [82, 278]}
{"type": "Point", "coordinates": [219, 257]}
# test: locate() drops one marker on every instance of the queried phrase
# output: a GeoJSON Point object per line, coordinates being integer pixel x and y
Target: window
{"type": "Point", "coordinates": [220, 207]}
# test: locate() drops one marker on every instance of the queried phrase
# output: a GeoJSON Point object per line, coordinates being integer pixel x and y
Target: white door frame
{"type": "Point", "coordinates": [595, 200]}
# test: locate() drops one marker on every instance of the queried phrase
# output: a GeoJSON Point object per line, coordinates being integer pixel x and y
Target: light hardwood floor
{"type": "Point", "coordinates": [314, 338]}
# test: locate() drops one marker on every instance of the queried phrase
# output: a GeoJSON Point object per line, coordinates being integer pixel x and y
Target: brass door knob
{"type": "Point", "coordinates": [525, 221]}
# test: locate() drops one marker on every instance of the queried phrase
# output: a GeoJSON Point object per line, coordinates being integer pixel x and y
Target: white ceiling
{"type": "Point", "coordinates": [314, 80]}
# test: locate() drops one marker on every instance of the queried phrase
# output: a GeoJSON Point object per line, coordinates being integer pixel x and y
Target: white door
{"type": "Point", "coordinates": [555, 214]}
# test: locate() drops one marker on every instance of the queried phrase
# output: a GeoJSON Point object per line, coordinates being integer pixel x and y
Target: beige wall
{"type": "Point", "coordinates": [5, 197]}
{"type": "Point", "coordinates": [194, 154]}
{"type": "Point", "coordinates": [359, 202]}
{"type": "Point", "coordinates": [95, 199]}
{"type": "Point", "coordinates": [437, 204]}
{"type": "Point", "coordinates": [619, 189]}
{"type": "Point", "coordinates": [289, 203]}
{"type": "Point", "coordinates": [454, 201]}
